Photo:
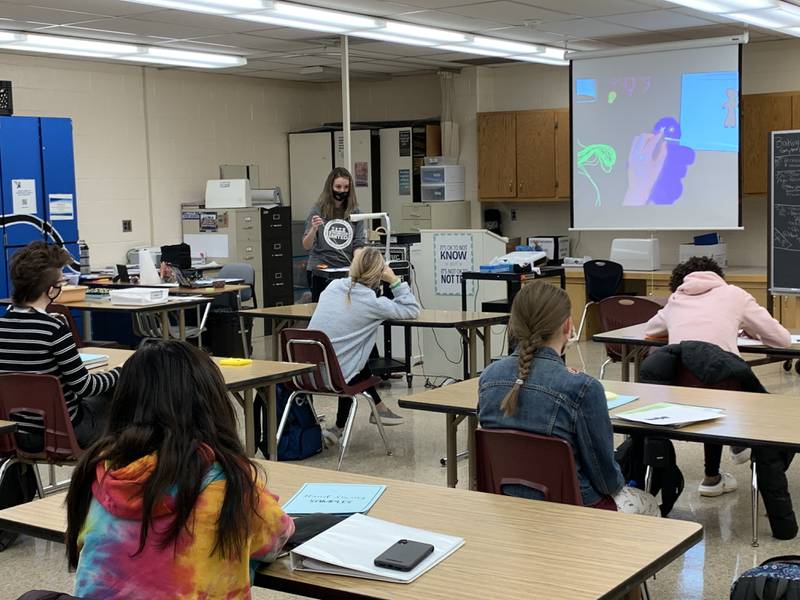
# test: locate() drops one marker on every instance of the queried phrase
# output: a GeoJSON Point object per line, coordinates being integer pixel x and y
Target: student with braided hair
{"type": "Point", "coordinates": [349, 312]}
{"type": "Point", "coordinates": [533, 390]}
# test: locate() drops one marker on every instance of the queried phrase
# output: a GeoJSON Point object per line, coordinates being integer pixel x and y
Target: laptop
{"type": "Point", "coordinates": [185, 282]}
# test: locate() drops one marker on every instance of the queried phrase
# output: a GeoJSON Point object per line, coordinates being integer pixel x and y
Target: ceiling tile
{"type": "Point", "coordinates": [641, 39]}
{"type": "Point", "coordinates": [440, 4]}
{"type": "Point", "coordinates": [288, 33]}
{"type": "Point", "coordinates": [527, 34]}
{"type": "Point", "coordinates": [384, 67]}
{"type": "Point", "coordinates": [587, 28]}
{"type": "Point", "coordinates": [589, 45]}
{"type": "Point", "coordinates": [375, 8]}
{"type": "Point", "coordinates": [87, 31]}
{"type": "Point", "coordinates": [266, 65]}
{"type": "Point", "coordinates": [593, 8]}
{"type": "Point", "coordinates": [148, 28]}
{"type": "Point", "coordinates": [110, 8]}
{"type": "Point", "coordinates": [253, 42]}
{"type": "Point", "coordinates": [388, 49]}
{"type": "Point", "coordinates": [510, 13]}
{"type": "Point", "coordinates": [434, 18]}
{"type": "Point", "coordinates": [656, 20]}
{"type": "Point", "coordinates": [37, 14]}
{"type": "Point", "coordinates": [208, 23]}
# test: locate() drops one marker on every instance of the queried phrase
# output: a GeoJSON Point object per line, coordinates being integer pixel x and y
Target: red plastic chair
{"type": "Point", "coordinates": [42, 395]}
{"type": "Point", "coordinates": [314, 347]}
{"type": "Point", "coordinates": [550, 468]}
{"type": "Point", "coordinates": [64, 313]}
{"type": "Point", "coordinates": [623, 311]}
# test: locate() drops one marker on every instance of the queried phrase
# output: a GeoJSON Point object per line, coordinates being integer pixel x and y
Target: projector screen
{"type": "Point", "coordinates": [655, 140]}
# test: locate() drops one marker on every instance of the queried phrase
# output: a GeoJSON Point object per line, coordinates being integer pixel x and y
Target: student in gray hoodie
{"type": "Point", "coordinates": [349, 312]}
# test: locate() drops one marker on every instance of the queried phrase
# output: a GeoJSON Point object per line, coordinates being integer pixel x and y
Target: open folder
{"type": "Point", "coordinates": [351, 546]}
{"type": "Point", "coordinates": [670, 415]}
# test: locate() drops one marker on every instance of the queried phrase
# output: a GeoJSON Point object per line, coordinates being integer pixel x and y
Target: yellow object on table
{"type": "Point", "coordinates": [236, 362]}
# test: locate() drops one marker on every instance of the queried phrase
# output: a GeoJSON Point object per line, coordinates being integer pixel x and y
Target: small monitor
{"type": "Point", "coordinates": [122, 274]}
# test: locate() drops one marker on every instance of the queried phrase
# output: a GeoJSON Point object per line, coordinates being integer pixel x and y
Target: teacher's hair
{"type": "Point", "coordinates": [326, 203]}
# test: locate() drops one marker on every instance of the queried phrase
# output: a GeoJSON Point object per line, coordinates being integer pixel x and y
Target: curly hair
{"type": "Point", "coordinates": [695, 263]}
{"type": "Point", "coordinates": [34, 269]}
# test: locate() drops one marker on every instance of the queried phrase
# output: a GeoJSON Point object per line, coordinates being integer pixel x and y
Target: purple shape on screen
{"type": "Point", "coordinates": [669, 185]}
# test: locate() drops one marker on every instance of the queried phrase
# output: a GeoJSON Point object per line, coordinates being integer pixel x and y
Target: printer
{"type": "Point", "coordinates": [228, 193]}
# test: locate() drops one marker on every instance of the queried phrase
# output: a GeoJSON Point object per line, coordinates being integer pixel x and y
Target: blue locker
{"type": "Point", "coordinates": [58, 176]}
{"type": "Point", "coordinates": [20, 179]}
{"type": "Point", "coordinates": [4, 291]}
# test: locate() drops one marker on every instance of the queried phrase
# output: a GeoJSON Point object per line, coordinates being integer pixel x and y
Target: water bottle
{"type": "Point", "coordinates": [84, 252]}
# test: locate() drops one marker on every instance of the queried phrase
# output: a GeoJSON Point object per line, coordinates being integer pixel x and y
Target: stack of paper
{"type": "Point", "coordinates": [91, 361]}
{"type": "Point", "coordinates": [670, 415]}
{"type": "Point", "coordinates": [333, 499]}
{"type": "Point", "coordinates": [351, 547]}
{"type": "Point", "coordinates": [616, 400]}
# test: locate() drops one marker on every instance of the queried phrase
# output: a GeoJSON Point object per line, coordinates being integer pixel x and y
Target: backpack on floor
{"type": "Point", "coordinates": [777, 578]}
{"type": "Point", "coordinates": [18, 486]}
{"type": "Point", "coordinates": [302, 435]}
{"type": "Point", "coordinates": [637, 452]}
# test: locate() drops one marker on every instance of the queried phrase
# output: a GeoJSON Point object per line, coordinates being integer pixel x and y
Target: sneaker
{"type": "Point", "coordinates": [331, 436]}
{"type": "Point", "coordinates": [726, 483]}
{"type": "Point", "coordinates": [388, 418]}
{"type": "Point", "coordinates": [740, 455]}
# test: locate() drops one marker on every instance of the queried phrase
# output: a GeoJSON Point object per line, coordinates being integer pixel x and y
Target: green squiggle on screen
{"type": "Point", "coordinates": [592, 155]}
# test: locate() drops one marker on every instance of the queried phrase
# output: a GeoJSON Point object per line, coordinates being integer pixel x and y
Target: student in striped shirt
{"type": "Point", "coordinates": [35, 341]}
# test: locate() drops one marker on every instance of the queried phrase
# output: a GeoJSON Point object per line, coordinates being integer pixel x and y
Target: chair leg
{"type": "Point", "coordinates": [285, 416]}
{"type": "Point", "coordinates": [603, 368]}
{"type": "Point", "coordinates": [754, 501]}
{"type": "Point", "coordinates": [348, 428]}
{"type": "Point", "coordinates": [4, 467]}
{"type": "Point", "coordinates": [39, 487]}
{"type": "Point", "coordinates": [378, 421]}
{"type": "Point", "coordinates": [51, 473]}
{"type": "Point", "coordinates": [583, 319]}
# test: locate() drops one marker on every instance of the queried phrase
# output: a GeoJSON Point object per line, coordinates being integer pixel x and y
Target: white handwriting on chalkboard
{"type": "Point", "coordinates": [786, 229]}
{"type": "Point", "coordinates": [787, 145]}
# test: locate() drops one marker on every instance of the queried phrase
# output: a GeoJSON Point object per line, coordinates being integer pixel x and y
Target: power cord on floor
{"type": "Point", "coordinates": [433, 331]}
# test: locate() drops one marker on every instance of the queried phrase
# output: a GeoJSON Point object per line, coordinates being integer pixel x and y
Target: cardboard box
{"type": "Point", "coordinates": [719, 252]}
{"type": "Point", "coordinates": [556, 247]}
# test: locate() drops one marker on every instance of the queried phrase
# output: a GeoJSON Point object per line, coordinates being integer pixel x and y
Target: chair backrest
{"type": "Point", "coordinates": [313, 347]}
{"type": "Point", "coordinates": [41, 395]}
{"type": "Point", "coordinates": [549, 464]}
{"type": "Point", "coordinates": [623, 311]}
{"type": "Point", "coordinates": [602, 278]}
{"type": "Point", "coordinates": [243, 271]}
{"type": "Point", "coordinates": [60, 309]}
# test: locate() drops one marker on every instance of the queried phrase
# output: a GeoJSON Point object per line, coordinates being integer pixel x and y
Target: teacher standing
{"type": "Point", "coordinates": [329, 235]}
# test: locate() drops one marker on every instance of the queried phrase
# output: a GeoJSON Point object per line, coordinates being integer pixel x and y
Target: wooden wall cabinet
{"type": "Point", "coordinates": [761, 113]}
{"type": "Point", "coordinates": [523, 155]}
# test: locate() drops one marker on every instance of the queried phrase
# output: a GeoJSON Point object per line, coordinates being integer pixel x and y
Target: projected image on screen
{"type": "Point", "coordinates": [656, 140]}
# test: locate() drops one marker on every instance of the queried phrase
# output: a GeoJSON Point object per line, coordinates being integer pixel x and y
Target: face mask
{"type": "Point", "coordinates": [341, 196]}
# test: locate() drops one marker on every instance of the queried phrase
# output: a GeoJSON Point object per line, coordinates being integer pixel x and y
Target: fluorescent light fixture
{"type": "Point", "coordinates": [498, 45]}
{"type": "Point", "coordinates": [380, 35]}
{"type": "Point", "coordinates": [470, 50]}
{"type": "Point", "coordinates": [772, 18]}
{"type": "Point", "coordinates": [538, 58]}
{"type": "Point", "coordinates": [726, 6]}
{"type": "Point", "coordinates": [287, 22]}
{"type": "Point", "coordinates": [317, 15]}
{"type": "Point", "coordinates": [211, 7]}
{"type": "Point", "coordinates": [193, 59]}
{"type": "Point", "coordinates": [71, 46]}
{"type": "Point", "coordinates": [423, 33]}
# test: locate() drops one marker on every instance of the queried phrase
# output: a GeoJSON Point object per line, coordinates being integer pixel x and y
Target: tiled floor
{"type": "Point", "coordinates": [706, 571]}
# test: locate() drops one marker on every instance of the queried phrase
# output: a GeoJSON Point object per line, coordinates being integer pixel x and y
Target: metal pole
{"type": "Point", "coordinates": [346, 102]}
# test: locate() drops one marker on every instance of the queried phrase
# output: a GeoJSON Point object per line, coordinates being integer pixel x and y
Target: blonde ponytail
{"type": "Point", "coordinates": [366, 268]}
{"type": "Point", "coordinates": [539, 309]}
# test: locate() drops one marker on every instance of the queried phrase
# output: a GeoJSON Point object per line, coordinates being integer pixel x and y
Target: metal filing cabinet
{"type": "Point", "coordinates": [434, 215]}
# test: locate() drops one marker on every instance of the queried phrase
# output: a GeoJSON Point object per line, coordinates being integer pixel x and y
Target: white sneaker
{"type": "Point", "coordinates": [331, 436]}
{"type": "Point", "coordinates": [388, 418]}
{"type": "Point", "coordinates": [740, 457]}
{"type": "Point", "coordinates": [726, 483]}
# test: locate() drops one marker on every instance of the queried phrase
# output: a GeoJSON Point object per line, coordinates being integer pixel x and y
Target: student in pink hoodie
{"type": "Point", "coordinates": [703, 307]}
{"type": "Point", "coordinates": [166, 504]}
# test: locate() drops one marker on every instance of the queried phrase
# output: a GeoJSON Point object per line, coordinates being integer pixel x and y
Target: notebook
{"type": "Point", "coordinates": [91, 361]}
{"type": "Point", "coordinates": [333, 498]}
{"type": "Point", "coordinates": [351, 546]}
{"type": "Point", "coordinates": [670, 415]}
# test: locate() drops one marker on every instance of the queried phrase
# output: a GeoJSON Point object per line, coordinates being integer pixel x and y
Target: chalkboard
{"type": "Point", "coordinates": [784, 212]}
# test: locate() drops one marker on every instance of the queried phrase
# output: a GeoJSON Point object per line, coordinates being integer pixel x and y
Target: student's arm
{"type": "Point", "coordinates": [758, 323]}
{"type": "Point", "coordinates": [657, 326]}
{"type": "Point", "coordinates": [272, 529]}
{"type": "Point", "coordinates": [596, 441]}
{"type": "Point", "coordinates": [313, 223]}
{"type": "Point", "coordinates": [359, 235]}
{"type": "Point", "coordinates": [73, 373]}
{"type": "Point", "coordinates": [403, 306]}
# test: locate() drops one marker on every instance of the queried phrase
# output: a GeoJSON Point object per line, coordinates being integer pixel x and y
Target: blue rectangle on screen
{"type": "Point", "coordinates": [710, 111]}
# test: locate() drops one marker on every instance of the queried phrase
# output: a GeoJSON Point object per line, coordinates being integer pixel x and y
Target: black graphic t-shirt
{"type": "Point", "coordinates": [335, 241]}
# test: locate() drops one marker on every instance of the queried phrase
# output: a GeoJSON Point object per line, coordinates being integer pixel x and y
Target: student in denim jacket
{"type": "Point", "coordinates": [532, 390]}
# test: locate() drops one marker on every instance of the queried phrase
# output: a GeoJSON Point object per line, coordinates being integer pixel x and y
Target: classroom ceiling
{"type": "Point", "coordinates": [295, 54]}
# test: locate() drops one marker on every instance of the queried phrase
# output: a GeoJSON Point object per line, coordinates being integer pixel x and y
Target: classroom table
{"type": "Point", "coordinates": [514, 548]}
{"type": "Point", "coordinates": [632, 340]}
{"type": "Point", "coordinates": [466, 323]}
{"type": "Point", "coordinates": [750, 419]}
{"type": "Point", "coordinates": [7, 426]}
{"type": "Point", "coordinates": [242, 382]}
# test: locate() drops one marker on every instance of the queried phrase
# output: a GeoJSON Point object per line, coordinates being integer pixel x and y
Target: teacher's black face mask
{"type": "Point", "coordinates": [341, 196]}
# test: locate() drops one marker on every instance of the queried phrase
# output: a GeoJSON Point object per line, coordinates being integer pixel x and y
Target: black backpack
{"type": "Point", "coordinates": [777, 578]}
{"type": "Point", "coordinates": [18, 486]}
{"type": "Point", "coordinates": [637, 452]}
{"type": "Point", "coordinates": [302, 435]}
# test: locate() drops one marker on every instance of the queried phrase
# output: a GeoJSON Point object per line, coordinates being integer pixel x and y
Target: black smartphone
{"type": "Point", "coordinates": [404, 555]}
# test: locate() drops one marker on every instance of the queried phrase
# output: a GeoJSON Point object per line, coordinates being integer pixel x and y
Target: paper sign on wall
{"type": "Point", "coordinates": [62, 207]}
{"type": "Point", "coordinates": [452, 255]}
{"type": "Point", "coordinates": [23, 193]}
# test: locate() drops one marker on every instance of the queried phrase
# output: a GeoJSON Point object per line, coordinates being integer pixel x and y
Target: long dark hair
{"type": "Point", "coordinates": [171, 399]}
{"type": "Point", "coordinates": [326, 203]}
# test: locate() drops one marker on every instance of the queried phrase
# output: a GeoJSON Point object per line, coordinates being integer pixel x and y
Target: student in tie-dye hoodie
{"type": "Point", "coordinates": [165, 504]}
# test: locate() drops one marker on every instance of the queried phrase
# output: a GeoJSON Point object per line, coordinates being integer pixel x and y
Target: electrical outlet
{"type": "Point", "coordinates": [127, 226]}
{"type": "Point", "coordinates": [513, 215]}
